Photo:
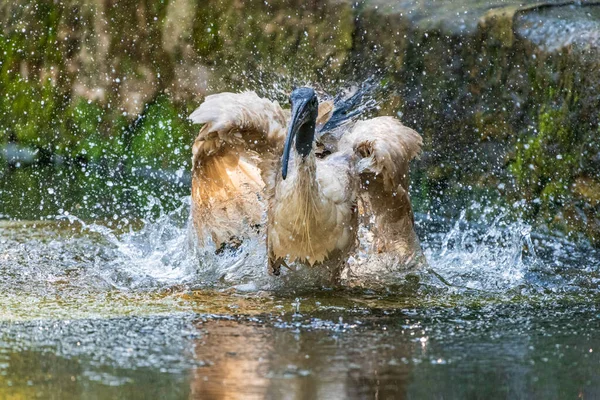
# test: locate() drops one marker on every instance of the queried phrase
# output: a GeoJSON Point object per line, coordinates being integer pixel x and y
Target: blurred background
{"type": "Point", "coordinates": [95, 97]}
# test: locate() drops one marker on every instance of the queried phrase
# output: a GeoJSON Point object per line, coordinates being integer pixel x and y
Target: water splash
{"type": "Point", "coordinates": [492, 257]}
{"type": "Point", "coordinates": [497, 256]}
{"type": "Point", "coordinates": [165, 253]}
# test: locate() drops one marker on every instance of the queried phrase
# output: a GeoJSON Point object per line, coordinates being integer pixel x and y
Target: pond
{"type": "Point", "coordinates": [85, 314]}
{"type": "Point", "coordinates": [104, 294]}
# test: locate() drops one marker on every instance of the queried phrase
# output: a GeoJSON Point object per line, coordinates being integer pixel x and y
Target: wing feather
{"type": "Point", "coordinates": [232, 161]}
{"type": "Point", "coordinates": [383, 148]}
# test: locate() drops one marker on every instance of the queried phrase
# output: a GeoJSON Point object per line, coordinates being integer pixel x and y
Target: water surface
{"type": "Point", "coordinates": [94, 311]}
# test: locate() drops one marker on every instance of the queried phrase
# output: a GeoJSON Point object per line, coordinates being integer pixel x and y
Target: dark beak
{"type": "Point", "coordinates": [298, 115]}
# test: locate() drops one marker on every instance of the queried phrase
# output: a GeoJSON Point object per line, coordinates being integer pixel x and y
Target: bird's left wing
{"type": "Point", "coordinates": [234, 158]}
{"type": "Point", "coordinates": [382, 149]}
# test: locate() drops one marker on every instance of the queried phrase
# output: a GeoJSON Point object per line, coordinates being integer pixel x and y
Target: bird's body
{"type": "Point", "coordinates": [315, 200]}
{"type": "Point", "coordinates": [313, 212]}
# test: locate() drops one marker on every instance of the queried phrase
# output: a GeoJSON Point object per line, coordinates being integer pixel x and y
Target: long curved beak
{"type": "Point", "coordinates": [298, 111]}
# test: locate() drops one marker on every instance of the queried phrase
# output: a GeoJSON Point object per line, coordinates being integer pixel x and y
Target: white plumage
{"type": "Point", "coordinates": [312, 214]}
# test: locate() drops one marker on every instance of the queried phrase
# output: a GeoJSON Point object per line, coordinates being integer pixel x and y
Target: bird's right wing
{"type": "Point", "coordinates": [234, 158]}
{"type": "Point", "coordinates": [382, 149]}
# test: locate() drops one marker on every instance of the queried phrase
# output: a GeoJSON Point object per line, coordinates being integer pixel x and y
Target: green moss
{"type": "Point", "coordinates": [547, 164]}
{"type": "Point", "coordinates": [85, 122]}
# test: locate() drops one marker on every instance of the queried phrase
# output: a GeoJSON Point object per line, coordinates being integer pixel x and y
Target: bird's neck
{"type": "Point", "coordinates": [302, 182]}
{"type": "Point", "coordinates": [306, 167]}
{"type": "Point", "coordinates": [304, 200]}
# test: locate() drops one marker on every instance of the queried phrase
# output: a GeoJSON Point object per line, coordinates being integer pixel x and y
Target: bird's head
{"type": "Point", "coordinates": [305, 108]}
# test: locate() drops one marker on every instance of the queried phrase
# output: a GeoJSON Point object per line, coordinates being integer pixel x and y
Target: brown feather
{"type": "Point", "coordinates": [325, 111]}
{"type": "Point", "coordinates": [312, 216]}
{"type": "Point", "coordinates": [383, 148]}
{"type": "Point", "coordinates": [242, 134]}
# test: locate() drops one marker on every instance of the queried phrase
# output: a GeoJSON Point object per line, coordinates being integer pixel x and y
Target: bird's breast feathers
{"type": "Point", "coordinates": [309, 222]}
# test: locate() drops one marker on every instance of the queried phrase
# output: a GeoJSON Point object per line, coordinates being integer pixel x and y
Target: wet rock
{"type": "Point", "coordinates": [571, 26]}
{"type": "Point", "coordinates": [451, 17]}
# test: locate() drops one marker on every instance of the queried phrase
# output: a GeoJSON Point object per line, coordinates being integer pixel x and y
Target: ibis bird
{"type": "Point", "coordinates": [309, 178]}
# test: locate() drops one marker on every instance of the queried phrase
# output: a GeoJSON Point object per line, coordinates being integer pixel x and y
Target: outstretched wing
{"type": "Point", "coordinates": [233, 157]}
{"type": "Point", "coordinates": [382, 149]}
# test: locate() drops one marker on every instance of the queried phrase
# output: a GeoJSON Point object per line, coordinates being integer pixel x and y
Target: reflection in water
{"type": "Point", "coordinates": [495, 350]}
{"type": "Point", "coordinates": [120, 358]}
{"type": "Point", "coordinates": [239, 357]}
{"type": "Point", "coordinates": [259, 362]}
{"type": "Point", "coordinates": [399, 357]}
